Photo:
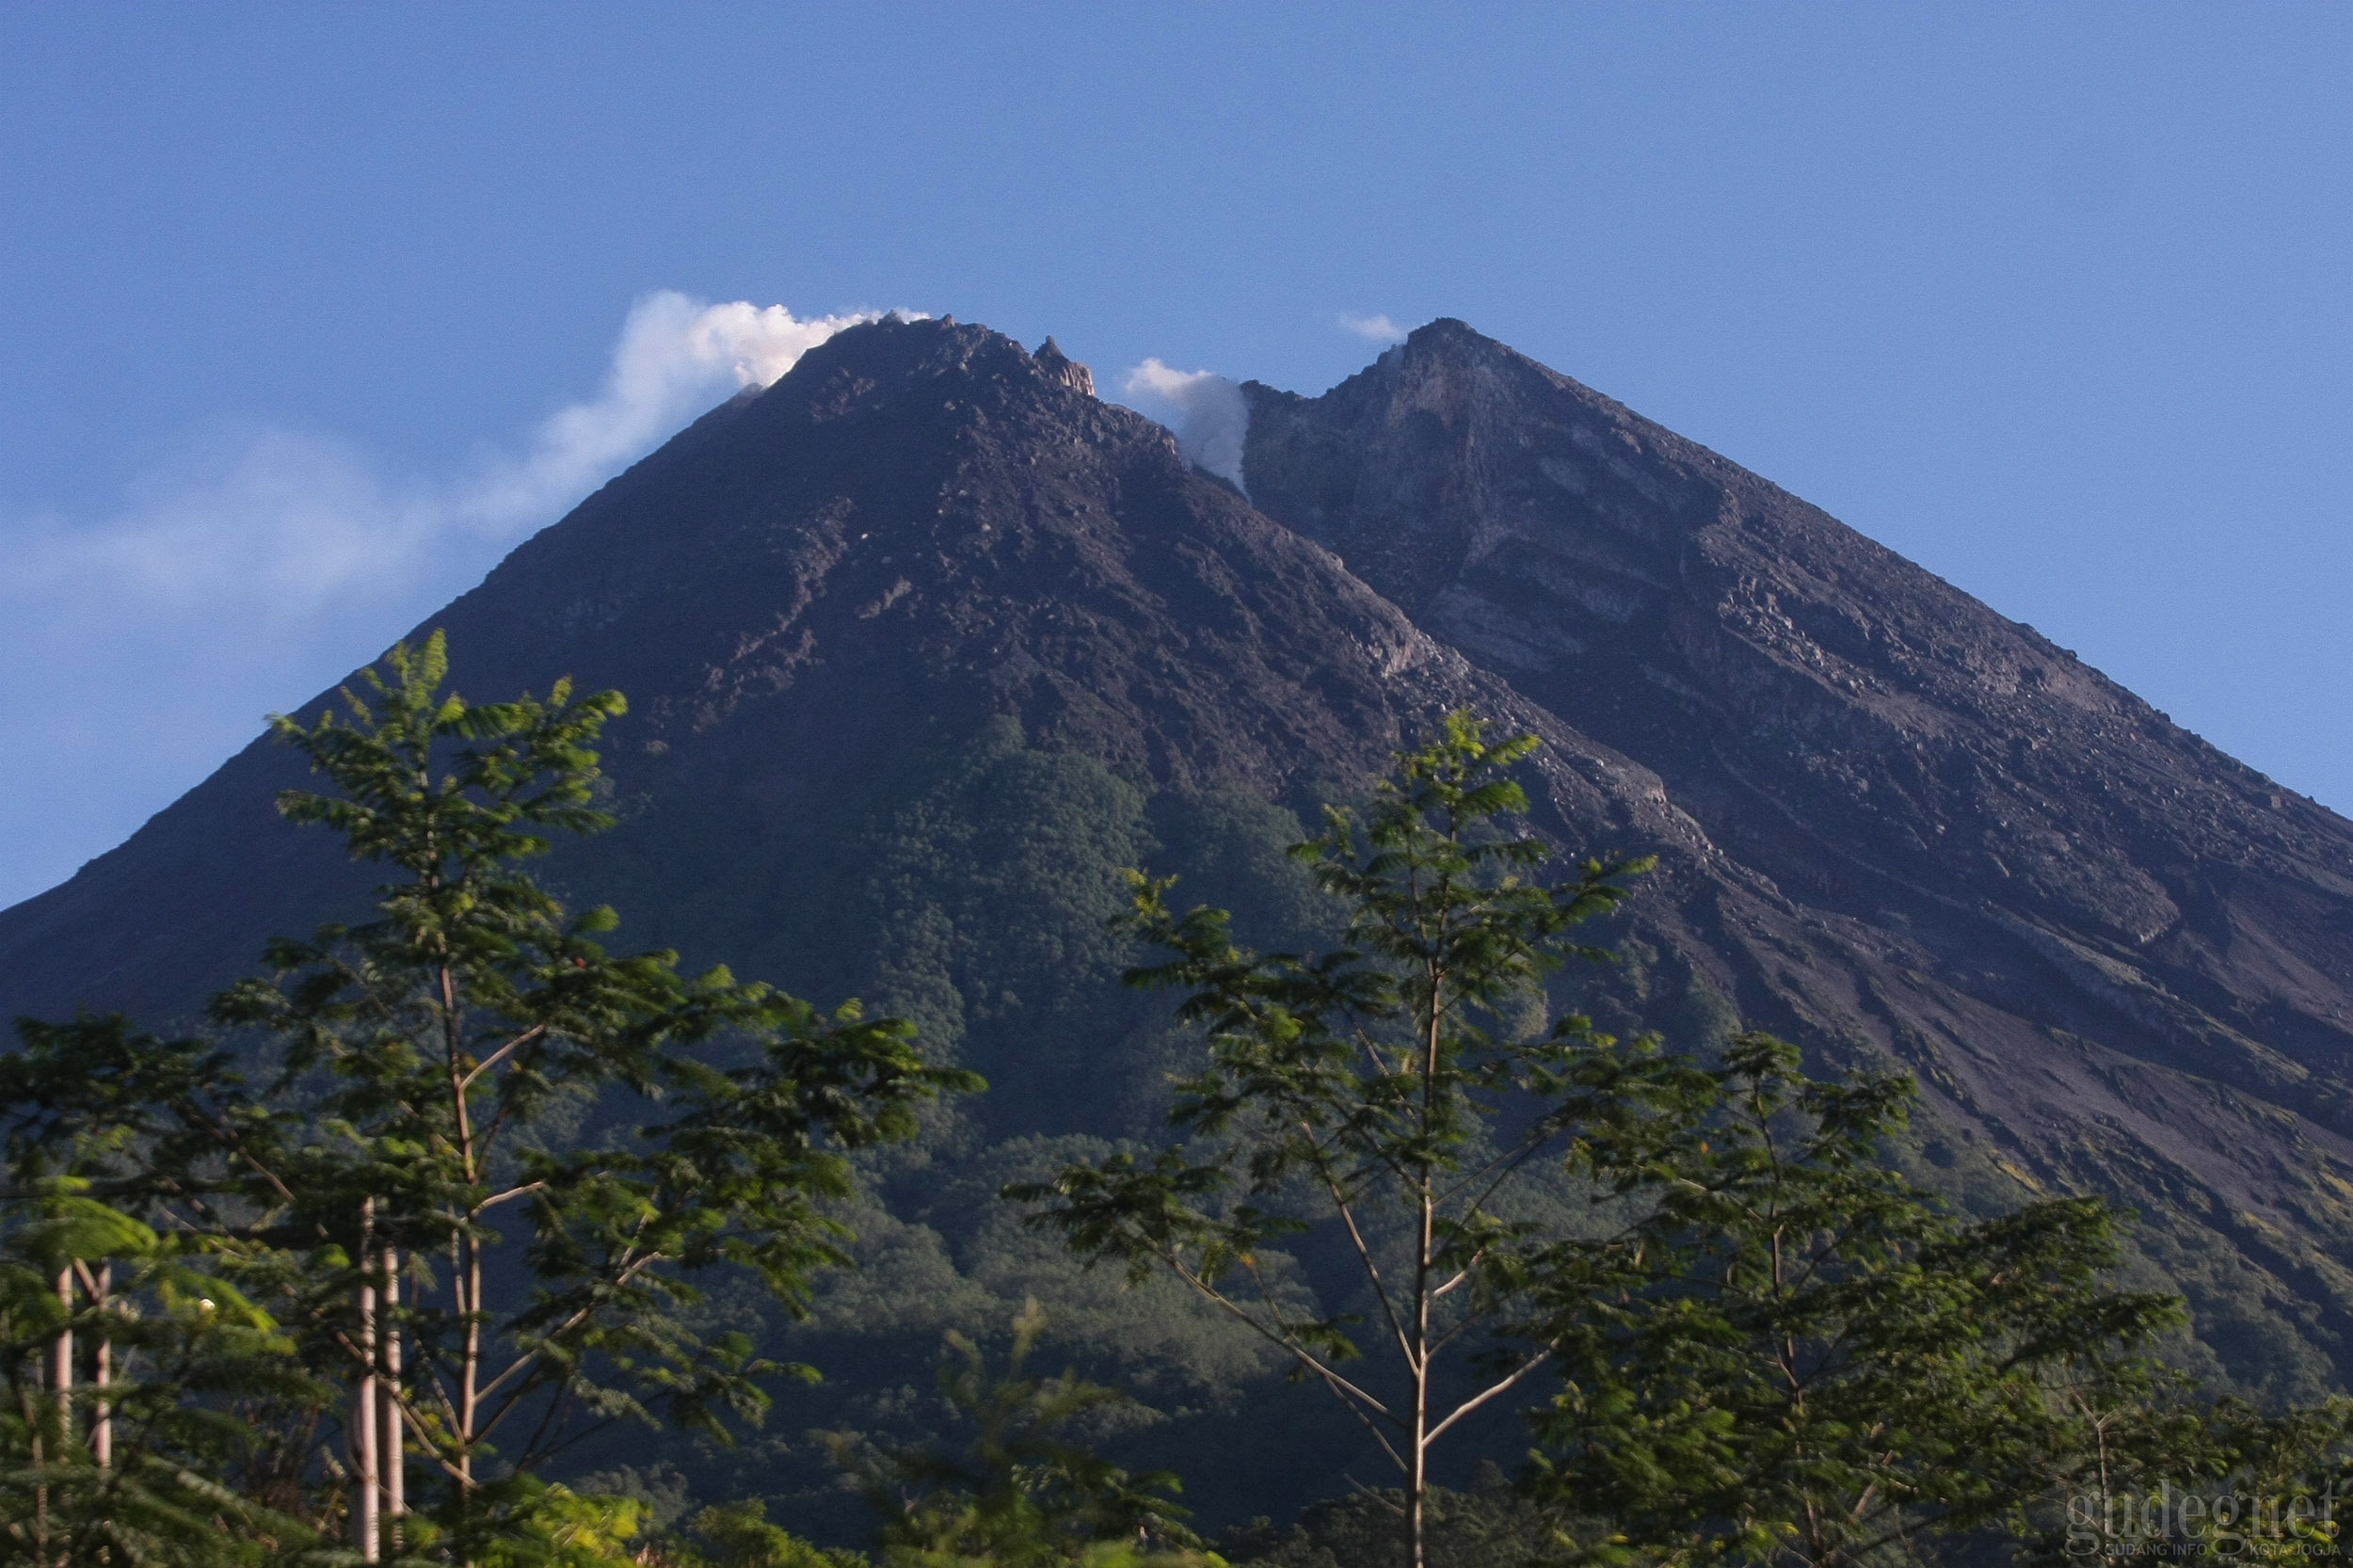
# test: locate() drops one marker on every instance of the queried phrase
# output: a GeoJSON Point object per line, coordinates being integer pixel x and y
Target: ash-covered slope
{"type": "Point", "coordinates": [2120, 956]}
{"type": "Point", "coordinates": [924, 642]}
{"type": "Point", "coordinates": [922, 527]}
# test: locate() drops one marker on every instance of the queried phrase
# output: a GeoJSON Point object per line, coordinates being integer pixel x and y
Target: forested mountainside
{"type": "Point", "coordinates": [924, 644]}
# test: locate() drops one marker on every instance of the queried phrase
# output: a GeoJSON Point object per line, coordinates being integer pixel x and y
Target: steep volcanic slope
{"type": "Point", "coordinates": [919, 527]}
{"type": "Point", "coordinates": [924, 642]}
{"type": "Point", "coordinates": [2122, 956]}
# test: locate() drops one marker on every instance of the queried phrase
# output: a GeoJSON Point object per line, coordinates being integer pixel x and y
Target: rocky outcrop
{"type": "Point", "coordinates": [1062, 367]}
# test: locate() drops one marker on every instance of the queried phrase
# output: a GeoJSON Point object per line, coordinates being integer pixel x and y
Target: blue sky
{"type": "Point", "coordinates": [2052, 299]}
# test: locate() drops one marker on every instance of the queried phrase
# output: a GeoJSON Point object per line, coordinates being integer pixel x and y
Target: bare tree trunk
{"type": "Point", "coordinates": [61, 1393]}
{"type": "Point", "coordinates": [1425, 1245]}
{"type": "Point", "coordinates": [61, 1357]}
{"type": "Point", "coordinates": [470, 1371]}
{"type": "Point", "coordinates": [366, 1429]}
{"type": "Point", "coordinates": [28, 1405]}
{"type": "Point", "coordinates": [466, 1285]}
{"type": "Point", "coordinates": [1417, 1485]}
{"type": "Point", "coordinates": [393, 1456]}
{"type": "Point", "coordinates": [102, 1420]}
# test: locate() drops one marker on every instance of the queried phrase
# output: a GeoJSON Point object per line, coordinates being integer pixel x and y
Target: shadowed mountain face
{"type": "Point", "coordinates": [924, 643]}
{"type": "Point", "coordinates": [920, 528]}
{"type": "Point", "coordinates": [2113, 954]}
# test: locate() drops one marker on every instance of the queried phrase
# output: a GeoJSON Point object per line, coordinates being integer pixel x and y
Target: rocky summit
{"type": "Point", "coordinates": [924, 642]}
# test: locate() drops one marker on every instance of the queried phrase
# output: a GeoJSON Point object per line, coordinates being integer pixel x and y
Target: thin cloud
{"type": "Point", "coordinates": [142, 647]}
{"type": "Point", "coordinates": [289, 521]}
{"type": "Point", "coordinates": [1212, 419]}
{"type": "Point", "coordinates": [1376, 329]}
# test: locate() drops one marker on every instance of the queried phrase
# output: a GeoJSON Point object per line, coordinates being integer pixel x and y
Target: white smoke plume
{"type": "Point", "coordinates": [288, 522]}
{"type": "Point", "coordinates": [1374, 328]}
{"type": "Point", "coordinates": [140, 649]}
{"type": "Point", "coordinates": [676, 356]}
{"type": "Point", "coordinates": [1212, 418]}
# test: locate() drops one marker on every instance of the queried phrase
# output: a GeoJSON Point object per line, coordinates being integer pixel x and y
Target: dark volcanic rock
{"type": "Point", "coordinates": [1890, 822]}
{"type": "Point", "coordinates": [2122, 956]}
{"type": "Point", "coordinates": [921, 527]}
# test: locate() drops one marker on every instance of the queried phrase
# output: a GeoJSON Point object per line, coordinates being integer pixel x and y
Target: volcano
{"type": "Point", "coordinates": [924, 642]}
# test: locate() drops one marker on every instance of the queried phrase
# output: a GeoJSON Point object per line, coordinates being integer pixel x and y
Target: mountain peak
{"type": "Point", "coordinates": [1443, 334]}
{"type": "Point", "coordinates": [1891, 824]}
{"type": "Point", "coordinates": [921, 528]}
{"type": "Point", "coordinates": [897, 354]}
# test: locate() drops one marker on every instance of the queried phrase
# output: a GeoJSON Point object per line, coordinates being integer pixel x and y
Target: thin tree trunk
{"type": "Point", "coordinates": [470, 1377]}
{"type": "Point", "coordinates": [61, 1393]}
{"type": "Point", "coordinates": [1418, 1370]}
{"type": "Point", "coordinates": [366, 1429]}
{"type": "Point", "coordinates": [394, 1452]}
{"type": "Point", "coordinates": [1419, 1482]}
{"type": "Point", "coordinates": [466, 1287]}
{"type": "Point", "coordinates": [29, 1404]}
{"type": "Point", "coordinates": [102, 1428]}
{"type": "Point", "coordinates": [61, 1358]}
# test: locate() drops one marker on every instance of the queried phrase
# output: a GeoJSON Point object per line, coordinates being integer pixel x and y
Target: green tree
{"type": "Point", "coordinates": [435, 1067]}
{"type": "Point", "coordinates": [557, 1528]}
{"type": "Point", "coordinates": [1020, 1496]}
{"type": "Point", "coordinates": [1488, 1526]}
{"type": "Point", "coordinates": [2180, 1477]}
{"type": "Point", "coordinates": [1397, 1086]}
{"type": "Point", "coordinates": [1796, 1356]}
{"type": "Point", "coordinates": [132, 1360]}
{"type": "Point", "coordinates": [165, 1331]}
{"type": "Point", "coordinates": [737, 1535]}
{"type": "Point", "coordinates": [183, 1345]}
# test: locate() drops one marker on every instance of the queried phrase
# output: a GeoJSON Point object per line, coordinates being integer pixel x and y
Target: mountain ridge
{"type": "Point", "coordinates": [924, 642]}
{"type": "Point", "coordinates": [776, 558]}
{"type": "Point", "coordinates": [1882, 749]}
